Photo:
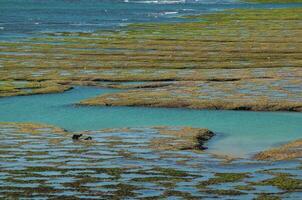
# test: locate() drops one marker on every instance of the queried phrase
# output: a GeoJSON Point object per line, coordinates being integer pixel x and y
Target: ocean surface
{"type": "Point", "coordinates": [29, 18]}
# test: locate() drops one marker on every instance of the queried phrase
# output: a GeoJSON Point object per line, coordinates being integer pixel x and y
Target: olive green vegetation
{"type": "Point", "coordinates": [291, 150]}
{"type": "Point", "coordinates": [175, 99]}
{"type": "Point", "coordinates": [32, 128]}
{"type": "Point", "coordinates": [284, 182]}
{"type": "Point", "coordinates": [48, 170]}
{"type": "Point", "coordinates": [245, 187]}
{"type": "Point", "coordinates": [246, 59]}
{"type": "Point", "coordinates": [57, 167]}
{"type": "Point", "coordinates": [166, 177]}
{"type": "Point", "coordinates": [267, 197]}
{"type": "Point", "coordinates": [171, 172]}
{"type": "Point", "coordinates": [223, 178]}
{"type": "Point", "coordinates": [175, 193]}
{"type": "Point", "coordinates": [12, 87]}
{"type": "Point", "coordinates": [182, 138]}
{"type": "Point", "coordinates": [224, 192]}
{"type": "Point", "coordinates": [239, 60]}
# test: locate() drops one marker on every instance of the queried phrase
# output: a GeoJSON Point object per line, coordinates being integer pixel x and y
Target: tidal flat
{"type": "Point", "coordinates": [241, 59]}
{"type": "Point", "coordinates": [163, 102]}
{"type": "Point", "coordinates": [42, 161]}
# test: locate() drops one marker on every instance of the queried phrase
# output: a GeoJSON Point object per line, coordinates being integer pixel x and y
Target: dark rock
{"type": "Point", "coordinates": [76, 136]}
{"type": "Point", "coordinates": [88, 138]}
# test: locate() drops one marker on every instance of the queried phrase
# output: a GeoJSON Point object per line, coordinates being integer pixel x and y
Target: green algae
{"type": "Point", "coordinates": [289, 151]}
{"type": "Point", "coordinates": [171, 172]}
{"type": "Point", "coordinates": [71, 170]}
{"type": "Point", "coordinates": [223, 178]}
{"type": "Point", "coordinates": [183, 195]}
{"type": "Point", "coordinates": [115, 172]}
{"type": "Point", "coordinates": [245, 187]}
{"type": "Point", "coordinates": [243, 39]}
{"type": "Point", "coordinates": [284, 182]}
{"type": "Point", "coordinates": [189, 95]}
{"type": "Point", "coordinates": [124, 190]}
{"type": "Point", "coordinates": [150, 179]}
{"type": "Point", "coordinates": [267, 197]}
{"type": "Point", "coordinates": [182, 138]}
{"type": "Point", "coordinates": [225, 192]}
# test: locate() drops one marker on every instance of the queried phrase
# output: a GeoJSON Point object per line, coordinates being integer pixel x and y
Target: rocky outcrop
{"type": "Point", "coordinates": [288, 151]}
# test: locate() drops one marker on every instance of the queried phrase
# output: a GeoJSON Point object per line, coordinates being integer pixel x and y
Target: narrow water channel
{"type": "Point", "coordinates": [238, 133]}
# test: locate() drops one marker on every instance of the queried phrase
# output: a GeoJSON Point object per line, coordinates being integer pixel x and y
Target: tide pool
{"type": "Point", "coordinates": [239, 133]}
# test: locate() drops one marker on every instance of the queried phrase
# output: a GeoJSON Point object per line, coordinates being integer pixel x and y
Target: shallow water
{"type": "Point", "coordinates": [121, 164]}
{"type": "Point", "coordinates": [239, 133]}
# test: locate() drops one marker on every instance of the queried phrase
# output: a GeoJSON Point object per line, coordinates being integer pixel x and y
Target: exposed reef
{"type": "Point", "coordinates": [185, 138]}
{"type": "Point", "coordinates": [287, 151]}
{"type": "Point", "coordinates": [31, 128]}
{"type": "Point", "coordinates": [246, 59]}
{"type": "Point", "coordinates": [165, 97]}
{"type": "Point", "coordinates": [41, 161]}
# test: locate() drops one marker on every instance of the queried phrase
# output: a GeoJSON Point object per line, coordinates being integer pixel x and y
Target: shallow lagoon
{"type": "Point", "coordinates": [239, 133]}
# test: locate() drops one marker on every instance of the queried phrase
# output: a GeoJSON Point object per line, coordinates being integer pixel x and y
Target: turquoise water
{"type": "Point", "coordinates": [238, 133]}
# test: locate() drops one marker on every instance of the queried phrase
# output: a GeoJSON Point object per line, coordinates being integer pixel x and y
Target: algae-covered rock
{"type": "Point", "coordinates": [182, 138]}
{"type": "Point", "coordinates": [288, 151]}
{"type": "Point", "coordinates": [241, 59]}
{"type": "Point", "coordinates": [284, 182]}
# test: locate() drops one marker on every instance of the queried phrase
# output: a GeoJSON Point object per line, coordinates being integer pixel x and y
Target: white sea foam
{"type": "Point", "coordinates": [170, 13]}
{"type": "Point", "coordinates": [187, 9]}
{"type": "Point", "coordinates": [87, 24]}
{"type": "Point", "coordinates": [157, 1]}
{"type": "Point", "coordinates": [179, 1]}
